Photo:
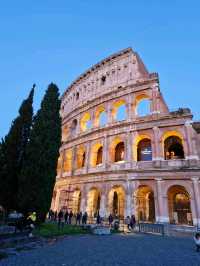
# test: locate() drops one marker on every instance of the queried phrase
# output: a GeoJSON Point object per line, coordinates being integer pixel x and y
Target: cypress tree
{"type": "Point", "coordinates": [39, 168]}
{"type": "Point", "coordinates": [12, 152]}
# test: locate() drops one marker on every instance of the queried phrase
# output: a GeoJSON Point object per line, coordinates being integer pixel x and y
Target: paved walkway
{"type": "Point", "coordinates": [115, 250]}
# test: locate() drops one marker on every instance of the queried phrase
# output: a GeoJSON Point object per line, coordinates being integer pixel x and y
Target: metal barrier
{"type": "Point", "coordinates": [151, 228]}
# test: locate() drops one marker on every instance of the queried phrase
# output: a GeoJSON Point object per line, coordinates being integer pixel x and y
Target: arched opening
{"type": "Point", "coordinates": [179, 205]}
{"type": "Point", "coordinates": [119, 111]}
{"type": "Point", "coordinates": [74, 127]}
{"type": "Point", "coordinates": [119, 152]}
{"type": "Point", "coordinates": [145, 204]}
{"type": "Point", "coordinates": [86, 122]}
{"type": "Point", "coordinates": [96, 157]}
{"type": "Point", "coordinates": [144, 150]}
{"type": "Point", "coordinates": [173, 148]}
{"type": "Point", "coordinates": [65, 133]}
{"type": "Point", "coordinates": [100, 117]}
{"type": "Point", "coordinates": [80, 157]}
{"type": "Point", "coordinates": [67, 165]}
{"type": "Point", "coordinates": [59, 165]}
{"type": "Point", "coordinates": [143, 107]}
{"type": "Point", "coordinates": [93, 203]}
{"type": "Point", "coordinates": [76, 201]}
{"type": "Point", "coordinates": [99, 156]}
{"type": "Point", "coordinates": [116, 204]}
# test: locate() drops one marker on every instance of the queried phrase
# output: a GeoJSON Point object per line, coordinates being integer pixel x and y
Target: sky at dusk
{"type": "Point", "coordinates": [55, 41]}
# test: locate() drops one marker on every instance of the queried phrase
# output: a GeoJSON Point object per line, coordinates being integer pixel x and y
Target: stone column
{"type": "Point", "coordinates": [195, 182]}
{"type": "Point", "coordinates": [129, 145]}
{"type": "Point", "coordinates": [73, 166]}
{"type": "Point", "coordinates": [128, 211]}
{"type": "Point", "coordinates": [109, 113]}
{"type": "Point", "coordinates": [87, 157]}
{"type": "Point", "coordinates": [105, 151]}
{"type": "Point", "coordinates": [155, 108]}
{"type": "Point", "coordinates": [156, 145]}
{"type": "Point", "coordinates": [83, 200]}
{"type": "Point", "coordinates": [57, 200]}
{"type": "Point", "coordinates": [192, 150]}
{"type": "Point", "coordinates": [102, 210]}
{"type": "Point", "coordinates": [129, 107]}
{"type": "Point", "coordinates": [161, 216]}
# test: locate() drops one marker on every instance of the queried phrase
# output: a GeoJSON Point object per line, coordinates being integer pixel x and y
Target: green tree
{"type": "Point", "coordinates": [39, 169]}
{"type": "Point", "coordinates": [12, 152]}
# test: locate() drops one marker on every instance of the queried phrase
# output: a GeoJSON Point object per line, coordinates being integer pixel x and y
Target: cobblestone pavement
{"type": "Point", "coordinates": [111, 250]}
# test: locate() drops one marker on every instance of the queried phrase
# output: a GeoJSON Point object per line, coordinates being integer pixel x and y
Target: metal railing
{"type": "Point", "coordinates": [151, 228]}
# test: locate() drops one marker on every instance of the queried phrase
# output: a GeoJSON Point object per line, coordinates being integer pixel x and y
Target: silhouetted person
{"type": "Point", "coordinates": [66, 217]}
{"type": "Point", "coordinates": [132, 222]}
{"type": "Point", "coordinates": [70, 217]}
{"type": "Point", "coordinates": [110, 219]}
{"type": "Point", "coordinates": [60, 219]}
{"type": "Point", "coordinates": [98, 219]}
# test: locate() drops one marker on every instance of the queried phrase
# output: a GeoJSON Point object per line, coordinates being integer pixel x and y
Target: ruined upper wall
{"type": "Point", "coordinates": [120, 69]}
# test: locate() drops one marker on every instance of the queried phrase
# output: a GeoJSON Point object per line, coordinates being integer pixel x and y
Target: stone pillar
{"type": "Point", "coordinates": [102, 210]}
{"type": "Point", "coordinates": [191, 144]}
{"type": "Point", "coordinates": [57, 200]}
{"type": "Point", "coordinates": [109, 113]}
{"type": "Point", "coordinates": [195, 182]}
{"type": "Point", "coordinates": [105, 151]}
{"type": "Point", "coordinates": [156, 151]}
{"type": "Point", "coordinates": [74, 162]}
{"type": "Point", "coordinates": [87, 157]}
{"type": "Point", "coordinates": [128, 211]}
{"type": "Point", "coordinates": [155, 108]}
{"type": "Point", "coordinates": [162, 215]}
{"type": "Point", "coordinates": [129, 145]}
{"type": "Point", "coordinates": [129, 107]}
{"type": "Point", "coordinates": [83, 201]}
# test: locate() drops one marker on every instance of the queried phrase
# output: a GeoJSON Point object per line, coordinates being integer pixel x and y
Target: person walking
{"type": "Point", "coordinates": [66, 216]}
{"type": "Point", "coordinates": [60, 219]}
{"type": "Point", "coordinates": [197, 241]}
{"type": "Point", "coordinates": [132, 222]}
{"type": "Point", "coordinates": [31, 220]}
{"type": "Point", "coordinates": [98, 218]}
{"type": "Point", "coordinates": [70, 217]}
{"type": "Point", "coordinates": [78, 218]}
{"type": "Point", "coordinates": [127, 222]}
{"type": "Point", "coordinates": [110, 219]}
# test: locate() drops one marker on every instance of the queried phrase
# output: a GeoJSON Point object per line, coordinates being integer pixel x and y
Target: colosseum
{"type": "Point", "coordinates": [123, 151]}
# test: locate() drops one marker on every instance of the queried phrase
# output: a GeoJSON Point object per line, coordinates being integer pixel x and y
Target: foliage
{"type": "Point", "coordinates": [51, 230]}
{"type": "Point", "coordinates": [38, 174]}
{"type": "Point", "coordinates": [12, 153]}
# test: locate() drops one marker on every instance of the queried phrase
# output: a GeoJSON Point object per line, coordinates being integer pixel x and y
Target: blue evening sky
{"type": "Point", "coordinates": [44, 41]}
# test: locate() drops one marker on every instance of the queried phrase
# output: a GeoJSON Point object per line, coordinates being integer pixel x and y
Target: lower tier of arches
{"type": "Point", "coordinates": [158, 200]}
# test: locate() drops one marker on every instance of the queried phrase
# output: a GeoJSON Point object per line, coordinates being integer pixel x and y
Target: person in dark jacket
{"type": "Point", "coordinates": [66, 217]}
{"type": "Point", "coordinates": [98, 219]}
{"type": "Point", "coordinates": [110, 219]}
{"type": "Point", "coordinates": [70, 217]}
{"type": "Point", "coordinates": [132, 222]}
{"type": "Point", "coordinates": [60, 219]}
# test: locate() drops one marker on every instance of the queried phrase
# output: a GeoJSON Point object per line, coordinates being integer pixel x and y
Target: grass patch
{"type": "Point", "coordinates": [51, 230]}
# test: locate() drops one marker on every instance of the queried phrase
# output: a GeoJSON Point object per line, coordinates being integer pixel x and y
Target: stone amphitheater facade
{"type": "Point", "coordinates": [146, 165]}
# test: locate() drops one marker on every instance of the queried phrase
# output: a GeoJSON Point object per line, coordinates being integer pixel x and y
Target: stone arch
{"type": "Point", "coordinates": [137, 141]}
{"type": "Point", "coordinates": [67, 164]}
{"type": "Point", "coordinates": [119, 110]}
{"type": "Point", "coordinates": [86, 122]}
{"type": "Point", "coordinates": [173, 145]}
{"type": "Point", "coordinates": [65, 133]}
{"type": "Point", "coordinates": [144, 202]}
{"type": "Point", "coordinates": [76, 201]}
{"type": "Point", "coordinates": [179, 205]}
{"type": "Point", "coordinates": [74, 127]}
{"type": "Point", "coordinates": [100, 117]}
{"type": "Point", "coordinates": [117, 201]}
{"type": "Point", "coordinates": [80, 156]}
{"type": "Point", "coordinates": [96, 154]}
{"type": "Point", "coordinates": [117, 150]}
{"type": "Point", "coordinates": [143, 105]}
{"type": "Point", "coordinates": [93, 201]}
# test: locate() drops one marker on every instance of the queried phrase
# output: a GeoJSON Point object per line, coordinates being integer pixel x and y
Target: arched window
{"type": "Point", "coordinates": [143, 107]}
{"type": "Point", "coordinates": [119, 110]}
{"type": "Point", "coordinates": [102, 119]}
{"type": "Point", "coordinates": [86, 122]}
{"type": "Point", "coordinates": [119, 152]}
{"type": "Point", "coordinates": [99, 156]}
{"type": "Point", "coordinates": [173, 148]}
{"type": "Point", "coordinates": [121, 113]}
{"type": "Point", "coordinates": [74, 127]}
{"type": "Point", "coordinates": [83, 160]}
{"type": "Point", "coordinates": [144, 151]}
